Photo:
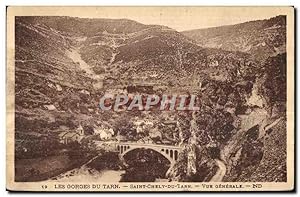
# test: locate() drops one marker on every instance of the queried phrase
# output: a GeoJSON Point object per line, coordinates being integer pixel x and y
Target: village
{"type": "Point", "coordinates": [67, 137]}
{"type": "Point", "coordinates": [146, 130]}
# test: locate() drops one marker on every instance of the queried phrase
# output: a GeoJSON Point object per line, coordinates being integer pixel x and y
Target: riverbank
{"type": "Point", "coordinates": [105, 166]}
{"type": "Point", "coordinates": [43, 168]}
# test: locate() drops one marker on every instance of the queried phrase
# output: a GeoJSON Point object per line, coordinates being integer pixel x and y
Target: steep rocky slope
{"type": "Point", "coordinates": [240, 120]}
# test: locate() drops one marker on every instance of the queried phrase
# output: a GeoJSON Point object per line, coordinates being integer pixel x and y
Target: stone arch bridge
{"type": "Point", "coordinates": [170, 152]}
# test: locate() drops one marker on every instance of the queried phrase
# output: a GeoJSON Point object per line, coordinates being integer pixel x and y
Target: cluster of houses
{"type": "Point", "coordinates": [104, 132]}
{"type": "Point", "coordinates": [147, 125]}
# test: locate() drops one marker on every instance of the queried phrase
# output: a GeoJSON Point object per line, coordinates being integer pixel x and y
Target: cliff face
{"type": "Point", "coordinates": [238, 139]}
{"type": "Point", "coordinates": [63, 66]}
{"type": "Point", "coordinates": [237, 119]}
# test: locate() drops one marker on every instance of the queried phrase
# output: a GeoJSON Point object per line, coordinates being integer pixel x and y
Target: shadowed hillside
{"type": "Point", "coordinates": [262, 38]}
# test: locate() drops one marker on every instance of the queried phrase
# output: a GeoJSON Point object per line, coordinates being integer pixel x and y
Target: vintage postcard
{"type": "Point", "coordinates": [112, 99]}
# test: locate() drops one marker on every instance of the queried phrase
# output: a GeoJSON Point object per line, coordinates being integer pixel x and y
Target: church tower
{"type": "Point", "coordinates": [80, 130]}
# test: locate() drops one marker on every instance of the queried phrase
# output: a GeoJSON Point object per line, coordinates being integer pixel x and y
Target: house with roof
{"type": "Point", "coordinates": [67, 137]}
{"type": "Point", "coordinates": [104, 133]}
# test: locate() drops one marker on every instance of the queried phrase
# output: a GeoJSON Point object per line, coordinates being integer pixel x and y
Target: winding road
{"type": "Point", "coordinates": [220, 172]}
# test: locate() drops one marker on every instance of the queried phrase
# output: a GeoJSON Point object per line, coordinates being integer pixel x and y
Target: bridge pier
{"type": "Point", "coordinates": [173, 154]}
{"type": "Point", "coordinates": [122, 148]}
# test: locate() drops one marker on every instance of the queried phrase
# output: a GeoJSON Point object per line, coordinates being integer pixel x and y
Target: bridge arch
{"type": "Point", "coordinates": [161, 153]}
{"type": "Point", "coordinates": [169, 152]}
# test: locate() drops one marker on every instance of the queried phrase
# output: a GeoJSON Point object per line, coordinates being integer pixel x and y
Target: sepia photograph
{"type": "Point", "coordinates": [150, 99]}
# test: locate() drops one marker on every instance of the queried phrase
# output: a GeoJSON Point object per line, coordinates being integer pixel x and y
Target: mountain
{"type": "Point", "coordinates": [65, 64]}
{"type": "Point", "coordinates": [85, 26]}
{"type": "Point", "coordinates": [261, 38]}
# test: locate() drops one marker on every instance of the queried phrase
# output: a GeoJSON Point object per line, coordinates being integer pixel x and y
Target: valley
{"type": "Point", "coordinates": [64, 65]}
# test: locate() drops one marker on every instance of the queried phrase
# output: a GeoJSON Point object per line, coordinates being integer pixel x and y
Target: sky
{"type": "Point", "coordinates": [196, 18]}
{"type": "Point", "coordinates": [178, 18]}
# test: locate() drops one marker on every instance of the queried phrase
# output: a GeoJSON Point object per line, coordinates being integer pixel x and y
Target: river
{"type": "Point", "coordinates": [87, 174]}
{"type": "Point", "coordinates": [141, 166]}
